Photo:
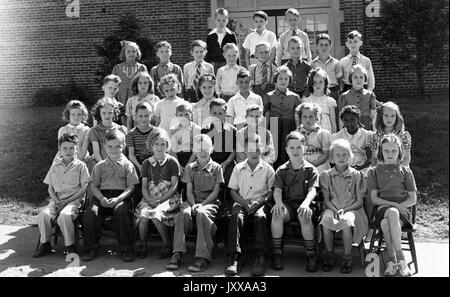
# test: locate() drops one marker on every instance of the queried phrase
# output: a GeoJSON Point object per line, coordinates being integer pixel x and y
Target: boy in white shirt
{"type": "Point", "coordinates": [260, 20]}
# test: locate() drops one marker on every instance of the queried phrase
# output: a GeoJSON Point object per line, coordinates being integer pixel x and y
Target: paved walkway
{"type": "Point", "coordinates": [18, 243]}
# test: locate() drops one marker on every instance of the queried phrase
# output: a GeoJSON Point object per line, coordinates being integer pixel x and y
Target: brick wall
{"type": "Point", "coordinates": [388, 84]}
{"type": "Point", "coordinates": [41, 47]}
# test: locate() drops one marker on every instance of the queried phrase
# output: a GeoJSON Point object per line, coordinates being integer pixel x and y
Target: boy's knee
{"type": "Point", "coordinates": [278, 218]}
{"type": "Point", "coordinates": [384, 224]}
{"type": "Point", "coordinates": [304, 220]}
{"type": "Point", "coordinates": [64, 217]}
{"type": "Point", "coordinates": [393, 212]}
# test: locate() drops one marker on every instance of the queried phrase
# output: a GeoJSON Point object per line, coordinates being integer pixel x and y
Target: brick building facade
{"type": "Point", "coordinates": [42, 47]}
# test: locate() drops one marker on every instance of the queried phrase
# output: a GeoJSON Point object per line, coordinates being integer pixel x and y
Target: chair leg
{"type": "Point", "coordinates": [362, 254]}
{"type": "Point", "coordinates": [412, 248]}
{"type": "Point", "coordinates": [372, 241]}
{"type": "Point", "coordinates": [38, 241]}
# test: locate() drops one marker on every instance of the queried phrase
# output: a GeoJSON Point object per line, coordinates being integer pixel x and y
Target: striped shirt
{"type": "Point", "coordinates": [138, 139]}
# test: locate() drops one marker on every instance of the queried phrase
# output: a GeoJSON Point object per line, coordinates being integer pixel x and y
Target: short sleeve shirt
{"type": "Point", "coordinates": [317, 140]}
{"type": "Point", "coordinates": [158, 170]}
{"type": "Point", "coordinates": [138, 140]}
{"type": "Point", "coordinates": [358, 142]}
{"type": "Point", "coordinates": [114, 175]}
{"type": "Point", "coordinates": [252, 39]}
{"type": "Point", "coordinates": [393, 182]}
{"type": "Point", "coordinates": [252, 185]}
{"type": "Point", "coordinates": [67, 180]}
{"type": "Point", "coordinates": [203, 179]}
{"type": "Point", "coordinates": [295, 183]}
{"type": "Point", "coordinates": [237, 106]}
{"type": "Point", "coordinates": [342, 188]}
{"type": "Point", "coordinates": [331, 67]}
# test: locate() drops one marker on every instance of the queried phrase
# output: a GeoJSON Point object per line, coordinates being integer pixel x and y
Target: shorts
{"type": "Point", "coordinates": [293, 215]}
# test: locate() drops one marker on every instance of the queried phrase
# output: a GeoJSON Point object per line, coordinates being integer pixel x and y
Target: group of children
{"type": "Point", "coordinates": [268, 139]}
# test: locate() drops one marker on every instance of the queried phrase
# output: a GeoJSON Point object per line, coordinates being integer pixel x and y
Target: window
{"type": "Point", "coordinates": [313, 25]}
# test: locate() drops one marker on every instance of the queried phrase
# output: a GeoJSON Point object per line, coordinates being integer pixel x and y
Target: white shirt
{"type": "Point", "coordinates": [252, 39]}
{"type": "Point", "coordinates": [358, 142]}
{"type": "Point", "coordinates": [226, 79]}
{"type": "Point", "coordinates": [252, 185]}
{"type": "Point", "coordinates": [237, 106]}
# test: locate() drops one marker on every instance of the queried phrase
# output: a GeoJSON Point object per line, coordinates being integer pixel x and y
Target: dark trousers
{"type": "Point", "coordinates": [123, 225]}
{"type": "Point", "coordinates": [257, 90]}
{"type": "Point", "coordinates": [236, 227]}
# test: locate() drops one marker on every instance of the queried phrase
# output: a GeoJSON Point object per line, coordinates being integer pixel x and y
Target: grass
{"type": "Point", "coordinates": [28, 145]}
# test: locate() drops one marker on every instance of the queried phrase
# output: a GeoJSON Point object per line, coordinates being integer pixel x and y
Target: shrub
{"type": "Point", "coordinates": [57, 96]}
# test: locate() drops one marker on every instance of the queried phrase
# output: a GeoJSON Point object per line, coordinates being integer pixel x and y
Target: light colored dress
{"type": "Point", "coordinates": [325, 103]}
{"type": "Point", "coordinates": [343, 190]}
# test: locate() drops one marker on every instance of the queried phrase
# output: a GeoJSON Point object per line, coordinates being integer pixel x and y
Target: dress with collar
{"type": "Point", "coordinates": [343, 190]}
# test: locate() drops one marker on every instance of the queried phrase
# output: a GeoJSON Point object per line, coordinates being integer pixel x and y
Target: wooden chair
{"type": "Point", "coordinates": [377, 235]}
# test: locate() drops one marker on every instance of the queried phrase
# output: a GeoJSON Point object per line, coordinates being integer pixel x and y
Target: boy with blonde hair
{"type": "Point", "coordinates": [226, 86]}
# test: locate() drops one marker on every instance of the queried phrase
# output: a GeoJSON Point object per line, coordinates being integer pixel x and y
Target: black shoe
{"type": "Point", "coordinates": [232, 264]}
{"type": "Point", "coordinates": [277, 261]}
{"type": "Point", "coordinates": [71, 249]}
{"type": "Point", "coordinates": [311, 263]}
{"type": "Point", "coordinates": [89, 255]}
{"type": "Point", "coordinates": [346, 265]}
{"type": "Point", "coordinates": [174, 263]}
{"type": "Point", "coordinates": [165, 252]}
{"type": "Point", "coordinates": [259, 268]}
{"type": "Point", "coordinates": [44, 249]}
{"type": "Point", "coordinates": [141, 250]}
{"type": "Point", "coordinates": [328, 263]}
{"type": "Point", "coordinates": [127, 256]}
